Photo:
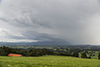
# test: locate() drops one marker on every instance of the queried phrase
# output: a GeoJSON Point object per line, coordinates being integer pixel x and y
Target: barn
{"type": "Point", "coordinates": [14, 55]}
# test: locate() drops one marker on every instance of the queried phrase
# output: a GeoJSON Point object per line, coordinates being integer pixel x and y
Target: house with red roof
{"type": "Point", "coordinates": [14, 55]}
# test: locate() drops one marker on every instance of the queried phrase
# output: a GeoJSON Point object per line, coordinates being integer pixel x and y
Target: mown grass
{"type": "Point", "coordinates": [48, 61]}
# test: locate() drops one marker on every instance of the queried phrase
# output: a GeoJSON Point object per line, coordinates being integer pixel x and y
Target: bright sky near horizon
{"type": "Point", "coordinates": [75, 21]}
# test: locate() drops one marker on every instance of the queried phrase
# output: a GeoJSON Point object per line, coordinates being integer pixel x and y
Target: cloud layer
{"type": "Point", "coordinates": [75, 21]}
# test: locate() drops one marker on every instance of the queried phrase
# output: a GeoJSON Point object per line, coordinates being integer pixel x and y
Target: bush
{"type": "Point", "coordinates": [83, 55]}
{"type": "Point", "coordinates": [75, 54]}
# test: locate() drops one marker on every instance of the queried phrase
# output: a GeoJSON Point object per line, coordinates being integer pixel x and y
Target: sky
{"type": "Point", "coordinates": [73, 21]}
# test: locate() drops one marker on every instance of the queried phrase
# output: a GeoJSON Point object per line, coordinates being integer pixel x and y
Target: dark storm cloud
{"type": "Point", "coordinates": [67, 20]}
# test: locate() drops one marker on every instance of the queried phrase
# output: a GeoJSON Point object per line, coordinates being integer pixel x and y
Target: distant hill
{"type": "Point", "coordinates": [57, 42]}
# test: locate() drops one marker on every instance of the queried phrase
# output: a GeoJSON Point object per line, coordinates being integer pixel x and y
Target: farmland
{"type": "Point", "coordinates": [48, 61]}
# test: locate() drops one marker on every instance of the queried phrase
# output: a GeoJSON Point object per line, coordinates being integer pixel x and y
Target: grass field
{"type": "Point", "coordinates": [47, 61]}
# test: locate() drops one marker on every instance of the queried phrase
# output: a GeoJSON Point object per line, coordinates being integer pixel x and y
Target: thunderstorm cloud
{"type": "Point", "coordinates": [73, 21]}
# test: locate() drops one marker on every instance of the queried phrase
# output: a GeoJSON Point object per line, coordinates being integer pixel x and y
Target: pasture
{"type": "Point", "coordinates": [48, 61]}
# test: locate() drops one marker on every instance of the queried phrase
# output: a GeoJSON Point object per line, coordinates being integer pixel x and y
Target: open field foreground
{"type": "Point", "coordinates": [47, 61]}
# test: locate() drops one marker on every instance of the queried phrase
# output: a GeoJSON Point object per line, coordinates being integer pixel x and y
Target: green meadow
{"type": "Point", "coordinates": [48, 61]}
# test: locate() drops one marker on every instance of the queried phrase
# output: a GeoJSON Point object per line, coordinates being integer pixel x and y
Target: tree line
{"type": "Point", "coordinates": [4, 51]}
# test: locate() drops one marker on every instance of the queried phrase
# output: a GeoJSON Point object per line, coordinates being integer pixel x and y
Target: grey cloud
{"type": "Point", "coordinates": [50, 19]}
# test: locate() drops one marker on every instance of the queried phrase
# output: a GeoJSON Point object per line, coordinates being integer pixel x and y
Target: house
{"type": "Point", "coordinates": [14, 55]}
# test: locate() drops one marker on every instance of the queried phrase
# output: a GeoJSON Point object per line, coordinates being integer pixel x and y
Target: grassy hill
{"type": "Point", "coordinates": [48, 61]}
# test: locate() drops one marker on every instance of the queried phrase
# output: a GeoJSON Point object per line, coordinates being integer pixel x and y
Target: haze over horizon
{"type": "Point", "coordinates": [73, 21]}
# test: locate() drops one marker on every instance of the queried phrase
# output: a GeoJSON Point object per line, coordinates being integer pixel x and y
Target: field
{"type": "Point", "coordinates": [48, 61]}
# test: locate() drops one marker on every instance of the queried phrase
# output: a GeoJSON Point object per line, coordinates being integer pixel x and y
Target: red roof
{"type": "Point", "coordinates": [14, 55]}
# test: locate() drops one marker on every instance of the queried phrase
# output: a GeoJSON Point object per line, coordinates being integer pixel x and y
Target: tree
{"type": "Point", "coordinates": [83, 55]}
{"type": "Point", "coordinates": [2, 52]}
{"type": "Point", "coordinates": [89, 57]}
{"type": "Point", "coordinates": [75, 54]}
{"type": "Point", "coordinates": [99, 56]}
